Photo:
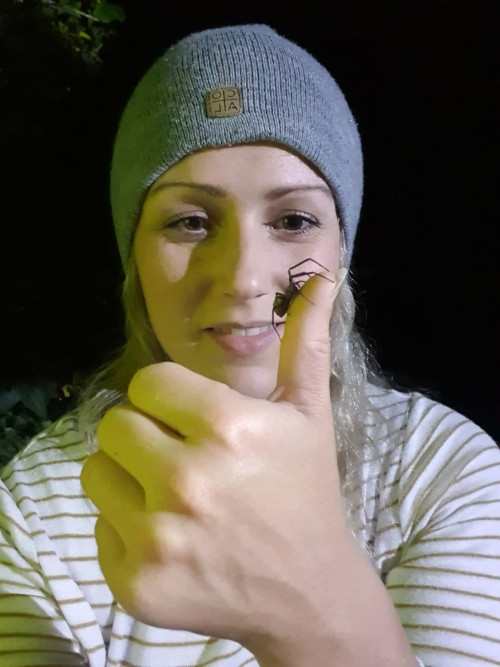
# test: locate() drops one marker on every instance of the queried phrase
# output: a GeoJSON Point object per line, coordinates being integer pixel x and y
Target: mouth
{"type": "Point", "coordinates": [248, 329]}
{"type": "Point", "coordinates": [245, 342]}
{"type": "Point", "coordinates": [241, 331]}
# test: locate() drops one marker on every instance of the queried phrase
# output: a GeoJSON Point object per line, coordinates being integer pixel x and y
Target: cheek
{"type": "Point", "coordinates": [161, 282]}
{"type": "Point", "coordinates": [159, 262]}
{"type": "Point", "coordinates": [160, 266]}
{"type": "Point", "coordinates": [156, 283]}
{"type": "Point", "coordinates": [167, 310]}
{"type": "Point", "coordinates": [333, 251]}
{"type": "Point", "coordinates": [327, 251]}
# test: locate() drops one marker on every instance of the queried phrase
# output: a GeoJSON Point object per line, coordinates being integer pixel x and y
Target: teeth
{"type": "Point", "coordinates": [244, 332]}
{"type": "Point", "coordinates": [249, 332]}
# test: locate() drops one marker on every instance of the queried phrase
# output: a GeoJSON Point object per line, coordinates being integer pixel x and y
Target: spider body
{"type": "Point", "coordinates": [282, 301]}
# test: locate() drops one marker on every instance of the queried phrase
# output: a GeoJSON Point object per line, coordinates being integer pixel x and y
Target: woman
{"type": "Point", "coordinates": [255, 493]}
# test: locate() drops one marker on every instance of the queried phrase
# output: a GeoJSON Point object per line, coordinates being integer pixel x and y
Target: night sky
{"type": "Point", "coordinates": [422, 81]}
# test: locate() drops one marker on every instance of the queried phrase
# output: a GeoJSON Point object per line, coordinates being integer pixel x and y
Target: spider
{"type": "Point", "coordinates": [282, 301]}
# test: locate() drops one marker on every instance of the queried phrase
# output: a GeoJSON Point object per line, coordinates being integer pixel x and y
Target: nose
{"type": "Point", "coordinates": [245, 264]}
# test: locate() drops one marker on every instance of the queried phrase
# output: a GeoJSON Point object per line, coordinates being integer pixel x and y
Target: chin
{"type": "Point", "coordinates": [254, 382]}
{"type": "Point", "coordinates": [246, 376]}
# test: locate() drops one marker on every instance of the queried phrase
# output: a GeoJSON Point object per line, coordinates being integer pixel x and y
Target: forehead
{"type": "Point", "coordinates": [259, 161]}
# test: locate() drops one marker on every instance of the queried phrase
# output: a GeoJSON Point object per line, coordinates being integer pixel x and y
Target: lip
{"type": "Point", "coordinates": [240, 325]}
{"type": "Point", "coordinates": [247, 346]}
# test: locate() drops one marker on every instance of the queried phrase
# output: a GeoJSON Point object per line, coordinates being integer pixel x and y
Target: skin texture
{"type": "Point", "coordinates": [217, 484]}
{"type": "Point", "coordinates": [186, 285]}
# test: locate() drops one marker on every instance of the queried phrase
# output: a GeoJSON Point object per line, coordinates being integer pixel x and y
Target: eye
{"type": "Point", "coordinates": [188, 225]}
{"type": "Point", "coordinates": [194, 225]}
{"type": "Point", "coordinates": [300, 223]}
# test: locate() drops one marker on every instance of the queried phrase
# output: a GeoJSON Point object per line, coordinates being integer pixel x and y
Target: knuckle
{"type": "Point", "coordinates": [139, 378]}
{"type": "Point", "coordinates": [225, 422]}
{"type": "Point", "coordinates": [148, 376]}
{"type": "Point", "coordinates": [116, 424]}
{"type": "Point", "coordinates": [226, 430]}
{"type": "Point", "coordinates": [106, 425]}
{"type": "Point", "coordinates": [193, 491]}
{"type": "Point", "coordinates": [160, 542]}
{"type": "Point", "coordinates": [321, 346]}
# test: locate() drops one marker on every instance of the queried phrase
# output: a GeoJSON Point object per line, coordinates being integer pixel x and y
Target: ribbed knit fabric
{"type": "Point", "coordinates": [287, 97]}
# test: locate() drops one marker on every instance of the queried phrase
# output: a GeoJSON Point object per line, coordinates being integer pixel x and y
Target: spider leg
{"type": "Point", "coordinates": [298, 285]}
{"type": "Point", "coordinates": [304, 297]}
{"type": "Point", "coordinates": [293, 276]}
{"type": "Point", "coordinates": [280, 305]}
{"type": "Point", "coordinates": [309, 259]}
{"type": "Point", "coordinates": [274, 326]}
{"type": "Point", "coordinates": [322, 276]}
{"type": "Point", "coordinates": [297, 293]}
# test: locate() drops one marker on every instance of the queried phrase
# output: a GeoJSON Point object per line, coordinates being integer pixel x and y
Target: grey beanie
{"type": "Point", "coordinates": [226, 86]}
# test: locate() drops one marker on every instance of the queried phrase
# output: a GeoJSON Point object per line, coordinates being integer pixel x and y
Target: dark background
{"type": "Point", "coordinates": [421, 79]}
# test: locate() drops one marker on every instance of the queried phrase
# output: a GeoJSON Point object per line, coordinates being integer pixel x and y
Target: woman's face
{"type": "Point", "coordinates": [217, 235]}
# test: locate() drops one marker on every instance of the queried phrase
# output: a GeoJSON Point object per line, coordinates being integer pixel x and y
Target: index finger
{"type": "Point", "coordinates": [187, 402]}
{"type": "Point", "coordinates": [138, 443]}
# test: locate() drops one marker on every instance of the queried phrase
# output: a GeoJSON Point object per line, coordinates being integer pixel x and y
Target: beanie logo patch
{"type": "Point", "coordinates": [223, 102]}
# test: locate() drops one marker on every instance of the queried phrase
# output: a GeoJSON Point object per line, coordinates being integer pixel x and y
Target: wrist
{"type": "Point", "coordinates": [354, 625]}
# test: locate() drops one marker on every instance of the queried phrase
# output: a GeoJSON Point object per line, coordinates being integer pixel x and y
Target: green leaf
{"type": "Point", "coordinates": [67, 9]}
{"type": "Point", "coordinates": [35, 397]}
{"type": "Point", "coordinates": [107, 12]}
{"type": "Point", "coordinates": [8, 398]}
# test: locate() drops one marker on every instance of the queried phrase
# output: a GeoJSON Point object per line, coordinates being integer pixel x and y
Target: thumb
{"type": "Point", "coordinates": [304, 364]}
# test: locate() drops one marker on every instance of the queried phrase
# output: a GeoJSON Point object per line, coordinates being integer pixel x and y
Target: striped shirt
{"type": "Point", "coordinates": [429, 512]}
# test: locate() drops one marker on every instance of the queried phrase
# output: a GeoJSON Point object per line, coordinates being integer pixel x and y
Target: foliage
{"type": "Point", "coordinates": [25, 410]}
{"type": "Point", "coordinates": [84, 24]}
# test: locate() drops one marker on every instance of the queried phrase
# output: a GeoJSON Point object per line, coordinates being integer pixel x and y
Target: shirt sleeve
{"type": "Point", "coordinates": [445, 584]}
{"type": "Point", "coordinates": [34, 631]}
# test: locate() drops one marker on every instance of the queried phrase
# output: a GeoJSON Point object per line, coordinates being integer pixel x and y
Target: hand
{"type": "Point", "coordinates": [221, 513]}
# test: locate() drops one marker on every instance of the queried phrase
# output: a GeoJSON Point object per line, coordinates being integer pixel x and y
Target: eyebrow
{"type": "Point", "coordinates": [214, 191]}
